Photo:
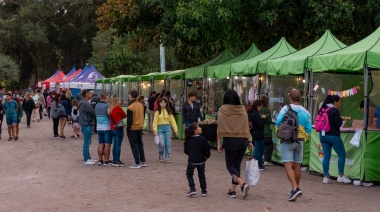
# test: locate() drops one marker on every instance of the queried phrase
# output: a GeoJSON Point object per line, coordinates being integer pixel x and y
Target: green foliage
{"type": "Point", "coordinates": [9, 70]}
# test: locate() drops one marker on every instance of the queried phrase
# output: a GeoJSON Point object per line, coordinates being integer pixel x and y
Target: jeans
{"type": "Point", "coordinates": [328, 142]}
{"type": "Point", "coordinates": [117, 140]}
{"type": "Point", "coordinates": [137, 146]}
{"type": "Point", "coordinates": [104, 137]}
{"type": "Point", "coordinates": [268, 149]}
{"type": "Point", "coordinates": [40, 111]}
{"type": "Point", "coordinates": [165, 134]}
{"type": "Point", "coordinates": [292, 152]}
{"type": "Point", "coordinates": [28, 117]}
{"type": "Point", "coordinates": [55, 126]}
{"type": "Point", "coordinates": [234, 154]}
{"type": "Point", "coordinates": [259, 152]}
{"type": "Point", "coordinates": [201, 175]}
{"type": "Point", "coordinates": [87, 134]}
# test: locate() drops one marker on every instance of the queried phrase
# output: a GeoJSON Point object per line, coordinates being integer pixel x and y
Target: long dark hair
{"type": "Point", "coordinates": [231, 98]}
{"type": "Point", "coordinates": [56, 98]}
{"type": "Point", "coordinates": [329, 100]}
{"type": "Point", "coordinates": [190, 131]}
{"type": "Point", "coordinates": [255, 105]}
{"type": "Point", "coordinates": [166, 107]}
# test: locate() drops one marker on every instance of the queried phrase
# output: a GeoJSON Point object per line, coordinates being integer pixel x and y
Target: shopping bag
{"type": "Point", "coordinates": [156, 139]}
{"type": "Point", "coordinates": [252, 172]}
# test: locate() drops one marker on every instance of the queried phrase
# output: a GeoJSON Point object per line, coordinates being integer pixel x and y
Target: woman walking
{"type": "Point", "coordinates": [257, 122]}
{"type": "Point", "coordinates": [54, 114]}
{"type": "Point", "coordinates": [63, 119]}
{"type": "Point", "coordinates": [233, 127]}
{"type": "Point", "coordinates": [29, 106]}
{"type": "Point", "coordinates": [116, 114]}
{"type": "Point", "coordinates": [49, 99]}
{"type": "Point", "coordinates": [151, 111]}
{"type": "Point", "coordinates": [162, 126]}
{"type": "Point", "coordinates": [332, 139]}
{"type": "Point", "coordinates": [268, 141]}
{"type": "Point", "coordinates": [190, 110]}
{"type": "Point", "coordinates": [37, 105]}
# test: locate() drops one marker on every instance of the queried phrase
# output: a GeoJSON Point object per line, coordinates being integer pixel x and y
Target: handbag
{"type": "Point", "coordinates": [252, 172]}
{"type": "Point", "coordinates": [119, 126]}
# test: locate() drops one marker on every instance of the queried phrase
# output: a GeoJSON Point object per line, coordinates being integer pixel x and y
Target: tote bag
{"type": "Point", "coordinates": [252, 172]}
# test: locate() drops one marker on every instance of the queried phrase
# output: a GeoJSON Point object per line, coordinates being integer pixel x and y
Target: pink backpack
{"type": "Point", "coordinates": [322, 121]}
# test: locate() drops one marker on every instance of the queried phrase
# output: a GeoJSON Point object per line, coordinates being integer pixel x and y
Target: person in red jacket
{"type": "Point", "coordinates": [116, 114]}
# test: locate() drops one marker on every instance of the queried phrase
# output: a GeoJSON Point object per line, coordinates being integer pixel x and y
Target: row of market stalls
{"type": "Point", "coordinates": [75, 80]}
{"type": "Point", "coordinates": [325, 67]}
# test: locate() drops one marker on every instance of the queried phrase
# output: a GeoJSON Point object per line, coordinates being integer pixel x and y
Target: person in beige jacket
{"type": "Point", "coordinates": [233, 127]}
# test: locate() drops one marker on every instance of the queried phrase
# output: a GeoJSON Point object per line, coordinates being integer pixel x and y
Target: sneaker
{"type": "Point", "coordinates": [231, 194]}
{"type": "Point", "coordinates": [295, 194]}
{"type": "Point", "coordinates": [244, 190]}
{"type": "Point", "coordinates": [89, 162]}
{"type": "Point", "coordinates": [73, 136]}
{"type": "Point", "coordinates": [191, 192]}
{"type": "Point", "coordinates": [10, 139]}
{"type": "Point", "coordinates": [93, 160]}
{"type": "Point", "coordinates": [143, 164]}
{"type": "Point", "coordinates": [367, 184]}
{"type": "Point", "coordinates": [268, 163]}
{"type": "Point", "coordinates": [107, 163]}
{"type": "Point", "coordinates": [16, 137]}
{"type": "Point", "coordinates": [262, 169]}
{"type": "Point", "coordinates": [326, 180]}
{"type": "Point", "coordinates": [100, 163]}
{"type": "Point", "coordinates": [343, 179]}
{"type": "Point", "coordinates": [56, 136]}
{"type": "Point", "coordinates": [204, 193]}
{"type": "Point", "coordinates": [135, 166]}
{"type": "Point", "coordinates": [60, 137]}
{"type": "Point", "coordinates": [121, 164]}
{"type": "Point", "coordinates": [167, 160]}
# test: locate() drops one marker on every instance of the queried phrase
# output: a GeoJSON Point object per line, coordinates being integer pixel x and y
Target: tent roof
{"type": "Point", "coordinates": [69, 77]}
{"type": "Point", "coordinates": [250, 66]}
{"type": "Point", "coordinates": [56, 78]}
{"type": "Point", "coordinates": [72, 71]}
{"type": "Point", "coordinates": [296, 62]}
{"type": "Point", "coordinates": [199, 71]}
{"type": "Point", "coordinates": [352, 58]}
{"type": "Point", "coordinates": [52, 76]}
{"type": "Point", "coordinates": [88, 76]}
{"type": "Point", "coordinates": [223, 70]}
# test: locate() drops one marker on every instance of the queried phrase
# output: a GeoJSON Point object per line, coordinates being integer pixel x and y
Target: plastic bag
{"type": "Point", "coordinates": [156, 139]}
{"type": "Point", "coordinates": [252, 172]}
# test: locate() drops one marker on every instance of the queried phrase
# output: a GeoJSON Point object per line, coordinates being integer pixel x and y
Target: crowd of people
{"type": "Point", "coordinates": [240, 129]}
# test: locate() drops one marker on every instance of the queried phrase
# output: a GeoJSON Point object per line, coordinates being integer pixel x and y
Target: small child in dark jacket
{"type": "Point", "coordinates": [198, 151]}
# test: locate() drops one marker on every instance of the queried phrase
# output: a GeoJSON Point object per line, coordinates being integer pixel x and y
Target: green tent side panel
{"type": "Point", "coordinates": [350, 59]}
{"type": "Point", "coordinates": [223, 70]}
{"type": "Point", "coordinates": [199, 71]}
{"type": "Point", "coordinates": [249, 67]}
{"type": "Point", "coordinates": [296, 62]}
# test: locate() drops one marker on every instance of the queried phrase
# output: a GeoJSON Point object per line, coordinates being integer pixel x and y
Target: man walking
{"type": "Point", "coordinates": [292, 153]}
{"type": "Point", "coordinates": [10, 108]}
{"type": "Point", "coordinates": [86, 121]}
{"type": "Point", "coordinates": [103, 129]}
{"type": "Point", "coordinates": [135, 123]}
{"type": "Point", "coordinates": [43, 103]}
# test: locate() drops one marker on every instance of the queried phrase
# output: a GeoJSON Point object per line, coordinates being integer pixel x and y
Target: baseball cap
{"type": "Point", "coordinates": [85, 91]}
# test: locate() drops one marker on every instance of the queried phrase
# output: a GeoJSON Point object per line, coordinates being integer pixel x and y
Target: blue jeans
{"type": "Point", "coordinates": [104, 137]}
{"type": "Point", "coordinates": [87, 134]}
{"type": "Point", "coordinates": [328, 142]}
{"type": "Point", "coordinates": [259, 152]}
{"type": "Point", "coordinates": [292, 152]}
{"type": "Point", "coordinates": [165, 134]}
{"type": "Point", "coordinates": [116, 149]}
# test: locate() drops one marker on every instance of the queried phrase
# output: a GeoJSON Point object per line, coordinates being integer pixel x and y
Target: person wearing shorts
{"type": "Point", "coordinates": [10, 108]}
{"type": "Point", "coordinates": [292, 153]}
{"type": "Point", "coordinates": [103, 129]}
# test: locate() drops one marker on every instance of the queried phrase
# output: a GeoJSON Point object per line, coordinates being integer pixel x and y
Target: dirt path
{"type": "Point", "coordinates": [39, 173]}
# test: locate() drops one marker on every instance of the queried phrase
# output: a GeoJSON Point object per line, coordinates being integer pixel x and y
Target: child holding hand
{"type": "Point", "coordinates": [198, 151]}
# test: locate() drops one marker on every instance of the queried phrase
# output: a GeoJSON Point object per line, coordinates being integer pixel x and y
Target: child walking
{"type": "Point", "coordinates": [75, 118]}
{"type": "Point", "coordinates": [198, 151]}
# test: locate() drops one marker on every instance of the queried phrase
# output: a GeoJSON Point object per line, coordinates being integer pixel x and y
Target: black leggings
{"type": "Point", "coordinates": [234, 154]}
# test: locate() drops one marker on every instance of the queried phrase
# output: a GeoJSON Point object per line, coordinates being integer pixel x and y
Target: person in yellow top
{"type": "Point", "coordinates": [162, 123]}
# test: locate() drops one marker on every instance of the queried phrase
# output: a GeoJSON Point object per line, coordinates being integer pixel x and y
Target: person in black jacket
{"type": "Point", "coordinates": [190, 110]}
{"type": "Point", "coordinates": [151, 110]}
{"type": "Point", "coordinates": [198, 151]}
{"type": "Point", "coordinates": [257, 122]}
{"type": "Point", "coordinates": [28, 106]}
{"type": "Point", "coordinates": [332, 139]}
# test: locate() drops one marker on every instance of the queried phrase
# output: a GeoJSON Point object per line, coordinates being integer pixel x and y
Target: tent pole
{"type": "Point", "coordinates": [259, 86]}
{"type": "Point", "coordinates": [311, 93]}
{"type": "Point", "coordinates": [365, 126]}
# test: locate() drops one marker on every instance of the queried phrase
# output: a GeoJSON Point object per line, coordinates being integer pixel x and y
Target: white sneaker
{"type": "Point", "coordinates": [135, 166]}
{"type": "Point", "coordinates": [268, 163]}
{"type": "Point", "coordinates": [367, 184]}
{"type": "Point", "coordinates": [326, 180]}
{"type": "Point", "coordinates": [93, 160]}
{"type": "Point", "coordinates": [89, 162]}
{"type": "Point", "coordinates": [343, 179]}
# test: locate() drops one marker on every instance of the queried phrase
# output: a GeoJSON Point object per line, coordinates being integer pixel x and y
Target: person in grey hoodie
{"type": "Point", "coordinates": [86, 121]}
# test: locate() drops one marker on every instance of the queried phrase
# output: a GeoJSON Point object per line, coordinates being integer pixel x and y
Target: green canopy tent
{"type": "Point", "coordinates": [249, 67]}
{"type": "Point", "coordinates": [223, 70]}
{"type": "Point", "coordinates": [357, 59]}
{"type": "Point", "coordinates": [198, 72]}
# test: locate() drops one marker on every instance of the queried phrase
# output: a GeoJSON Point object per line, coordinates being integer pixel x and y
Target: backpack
{"type": "Point", "coordinates": [288, 128]}
{"type": "Point", "coordinates": [61, 111]}
{"type": "Point", "coordinates": [322, 121]}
